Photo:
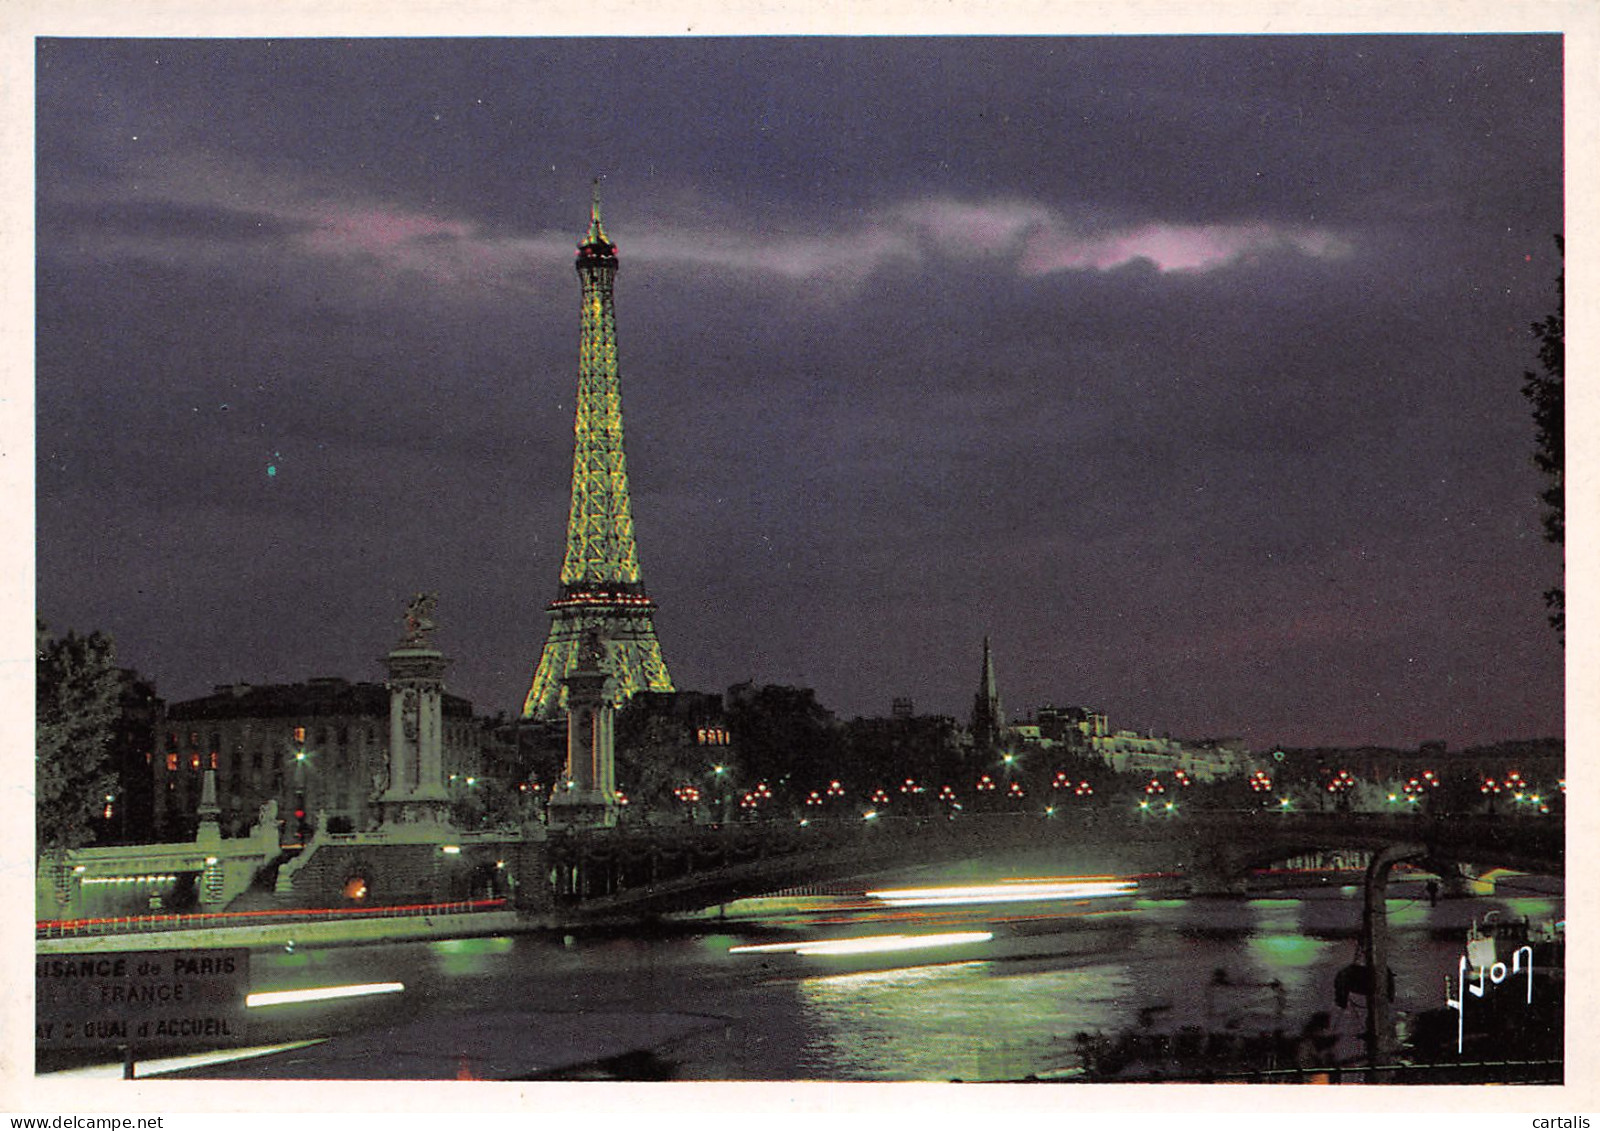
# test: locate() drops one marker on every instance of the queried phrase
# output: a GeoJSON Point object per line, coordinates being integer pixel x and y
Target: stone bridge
{"type": "Point", "coordinates": [624, 875]}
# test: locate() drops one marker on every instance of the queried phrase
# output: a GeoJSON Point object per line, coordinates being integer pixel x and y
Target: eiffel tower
{"type": "Point", "coordinates": [601, 590]}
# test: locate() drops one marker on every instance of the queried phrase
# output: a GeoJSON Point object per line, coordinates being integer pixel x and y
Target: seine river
{"type": "Point", "coordinates": [1005, 979]}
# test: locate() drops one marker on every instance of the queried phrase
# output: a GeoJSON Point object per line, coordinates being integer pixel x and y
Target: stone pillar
{"type": "Point", "coordinates": [209, 811]}
{"type": "Point", "coordinates": [587, 793]}
{"type": "Point", "coordinates": [209, 841]}
{"type": "Point", "coordinates": [402, 766]}
{"type": "Point", "coordinates": [416, 791]}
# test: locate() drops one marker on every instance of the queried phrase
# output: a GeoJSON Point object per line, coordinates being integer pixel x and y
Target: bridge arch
{"type": "Point", "coordinates": [622, 874]}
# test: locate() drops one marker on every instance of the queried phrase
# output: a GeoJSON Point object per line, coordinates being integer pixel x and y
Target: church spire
{"type": "Point", "coordinates": [988, 717]}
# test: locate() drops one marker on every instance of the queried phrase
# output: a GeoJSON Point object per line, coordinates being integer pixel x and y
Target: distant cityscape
{"type": "Point", "coordinates": [319, 749]}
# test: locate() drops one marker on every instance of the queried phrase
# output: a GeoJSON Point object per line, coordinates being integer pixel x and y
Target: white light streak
{"type": "Point", "coordinates": [870, 944]}
{"type": "Point", "coordinates": [144, 1068]}
{"type": "Point", "coordinates": [321, 993]}
{"type": "Point", "coordinates": [1017, 891]}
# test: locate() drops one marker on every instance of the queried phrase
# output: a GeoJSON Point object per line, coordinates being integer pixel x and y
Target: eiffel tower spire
{"type": "Point", "coordinates": [601, 588]}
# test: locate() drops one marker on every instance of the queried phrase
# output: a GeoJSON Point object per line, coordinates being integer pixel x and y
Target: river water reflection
{"type": "Point", "coordinates": [997, 1008]}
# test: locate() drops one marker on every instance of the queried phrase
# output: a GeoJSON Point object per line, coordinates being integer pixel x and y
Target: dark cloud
{"type": "Point", "coordinates": [1185, 368]}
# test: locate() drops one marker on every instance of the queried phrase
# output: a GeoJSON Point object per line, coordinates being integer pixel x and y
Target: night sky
{"type": "Point", "coordinates": [1186, 369]}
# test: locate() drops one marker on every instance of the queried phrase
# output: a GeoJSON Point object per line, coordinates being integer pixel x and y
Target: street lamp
{"type": "Point", "coordinates": [1340, 786]}
{"type": "Point", "coordinates": [719, 774]}
{"type": "Point", "coordinates": [302, 826]}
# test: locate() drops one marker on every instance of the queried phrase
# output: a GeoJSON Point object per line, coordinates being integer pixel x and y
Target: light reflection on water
{"type": "Point", "coordinates": [1219, 964]}
{"type": "Point", "coordinates": [1011, 1008]}
{"type": "Point", "coordinates": [967, 1021]}
{"type": "Point", "coordinates": [1277, 947]}
{"type": "Point", "coordinates": [458, 957]}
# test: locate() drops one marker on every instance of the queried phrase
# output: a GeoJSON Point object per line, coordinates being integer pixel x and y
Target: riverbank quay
{"type": "Point", "coordinates": [308, 928]}
{"type": "Point", "coordinates": [488, 1044]}
{"type": "Point", "coordinates": [396, 1035]}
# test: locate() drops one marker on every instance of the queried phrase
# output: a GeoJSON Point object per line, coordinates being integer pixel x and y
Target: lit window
{"type": "Point", "coordinates": [172, 761]}
{"type": "Point", "coordinates": [299, 734]}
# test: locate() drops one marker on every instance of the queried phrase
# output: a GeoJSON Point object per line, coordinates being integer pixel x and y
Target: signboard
{"type": "Point", "coordinates": [140, 998]}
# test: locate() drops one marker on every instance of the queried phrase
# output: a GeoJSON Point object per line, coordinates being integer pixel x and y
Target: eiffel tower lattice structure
{"type": "Point", "coordinates": [601, 588]}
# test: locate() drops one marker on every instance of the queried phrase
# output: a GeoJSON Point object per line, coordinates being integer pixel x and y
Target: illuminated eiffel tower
{"type": "Point", "coordinates": [600, 585]}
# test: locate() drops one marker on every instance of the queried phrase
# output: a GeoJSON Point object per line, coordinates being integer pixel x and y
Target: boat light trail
{"type": "Point", "coordinates": [114, 1071]}
{"type": "Point", "coordinates": [870, 944]}
{"type": "Point", "coordinates": [1013, 891]}
{"type": "Point", "coordinates": [321, 993]}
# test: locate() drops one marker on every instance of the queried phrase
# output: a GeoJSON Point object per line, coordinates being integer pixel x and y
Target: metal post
{"type": "Point", "coordinates": [1375, 941]}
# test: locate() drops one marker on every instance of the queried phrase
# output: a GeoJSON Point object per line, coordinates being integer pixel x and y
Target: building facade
{"type": "Point", "coordinates": [1088, 733]}
{"type": "Point", "coordinates": [320, 749]}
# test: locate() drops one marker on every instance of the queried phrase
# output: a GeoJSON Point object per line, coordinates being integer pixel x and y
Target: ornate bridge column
{"type": "Point", "coordinates": [416, 794]}
{"type": "Point", "coordinates": [587, 793]}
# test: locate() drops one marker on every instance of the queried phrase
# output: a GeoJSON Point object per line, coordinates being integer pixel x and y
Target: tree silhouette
{"type": "Point", "coordinates": [76, 691]}
{"type": "Point", "coordinates": [1547, 394]}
